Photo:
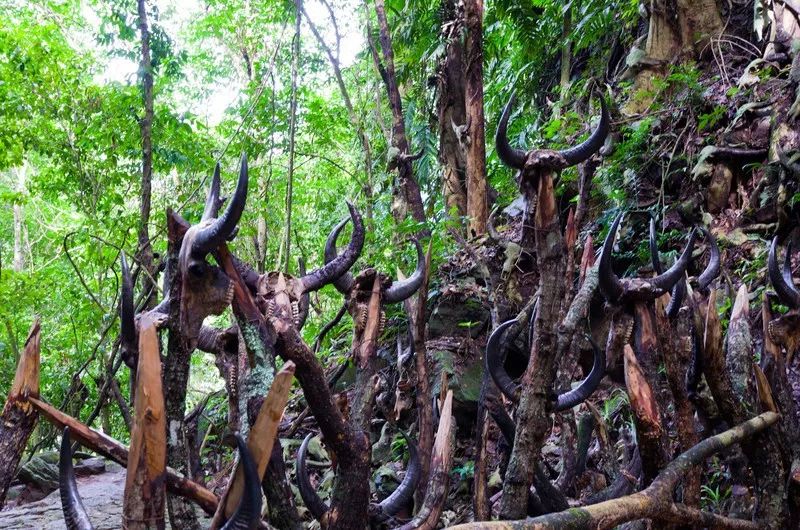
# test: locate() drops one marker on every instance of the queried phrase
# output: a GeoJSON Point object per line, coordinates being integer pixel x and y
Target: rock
{"type": "Point", "coordinates": [458, 313]}
{"type": "Point", "coordinates": [382, 449]}
{"type": "Point", "coordinates": [39, 474]}
{"type": "Point", "coordinates": [90, 466]}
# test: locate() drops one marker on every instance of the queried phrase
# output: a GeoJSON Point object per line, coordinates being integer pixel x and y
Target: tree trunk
{"type": "Point", "coordinates": [176, 380]}
{"type": "Point", "coordinates": [292, 130]}
{"type": "Point", "coordinates": [368, 185]}
{"type": "Point", "coordinates": [19, 223]}
{"type": "Point", "coordinates": [533, 418]}
{"type": "Point", "coordinates": [145, 251]}
{"type": "Point", "coordinates": [406, 192]}
{"type": "Point", "coordinates": [477, 208]}
{"type": "Point", "coordinates": [19, 417]}
{"type": "Point", "coordinates": [452, 113]}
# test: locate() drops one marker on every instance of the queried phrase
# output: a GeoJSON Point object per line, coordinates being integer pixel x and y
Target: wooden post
{"type": "Point", "coordinates": [18, 417]}
{"type": "Point", "coordinates": [260, 442]}
{"type": "Point", "coordinates": [143, 505]}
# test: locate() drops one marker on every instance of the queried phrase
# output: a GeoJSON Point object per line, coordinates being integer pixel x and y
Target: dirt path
{"type": "Point", "coordinates": [101, 494]}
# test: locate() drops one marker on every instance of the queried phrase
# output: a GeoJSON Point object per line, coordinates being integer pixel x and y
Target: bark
{"type": "Point", "coordinates": [350, 497]}
{"type": "Point", "coordinates": [655, 502]}
{"type": "Point", "coordinates": [677, 344]}
{"type": "Point", "coordinates": [110, 448]}
{"type": "Point", "coordinates": [452, 113]}
{"type": "Point", "coordinates": [477, 208]}
{"type": "Point", "coordinates": [533, 418]}
{"type": "Point", "coordinates": [259, 344]}
{"type": "Point", "coordinates": [176, 380]}
{"type": "Point", "coordinates": [145, 251]}
{"type": "Point", "coordinates": [681, 27]}
{"type": "Point", "coordinates": [365, 354]}
{"type": "Point", "coordinates": [18, 417]}
{"type": "Point", "coordinates": [143, 505]}
{"type": "Point", "coordinates": [407, 191]}
{"type": "Point", "coordinates": [764, 452]}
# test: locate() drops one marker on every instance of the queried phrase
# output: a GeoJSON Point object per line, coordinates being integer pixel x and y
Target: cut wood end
{"type": "Point", "coordinates": [26, 378]}
{"type": "Point", "coordinates": [639, 392]}
{"type": "Point", "coordinates": [741, 307]}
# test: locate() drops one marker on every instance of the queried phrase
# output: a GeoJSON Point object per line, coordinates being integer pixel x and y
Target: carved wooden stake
{"type": "Point", "coordinates": [143, 507]}
{"type": "Point", "coordinates": [19, 418]}
{"type": "Point", "coordinates": [260, 441]}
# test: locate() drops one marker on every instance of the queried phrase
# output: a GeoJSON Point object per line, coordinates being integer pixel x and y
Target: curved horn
{"type": "Point", "coordinates": [343, 283]}
{"type": "Point", "coordinates": [507, 427]}
{"type": "Point", "coordinates": [248, 514]}
{"type": "Point", "coordinates": [582, 392]}
{"type": "Point", "coordinates": [679, 291]}
{"type": "Point", "coordinates": [75, 515]}
{"type": "Point", "coordinates": [304, 302]}
{"type": "Point", "coordinates": [514, 158]}
{"type": "Point", "coordinates": [213, 200]}
{"type": "Point", "coordinates": [609, 283]}
{"type": "Point", "coordinates": [126, 315]}
{"type": "Point", "coordinates": [405, 491]}
{"type": "Point", "coordinates": [674, 274]}
{"type": "Point", "coordinates": [212, 236]}
{"type": "Point", "coordinates": [782, 280]}
{"type": "Point", "coordinates": [337, 265]}
{"type": "Point", "coordinates": [312, 501]}
{"type": "Point", "coordinates": [711, 271]}
{"type": "Point", "coordinates": [496, 356]}
{"type": "Point", "coordinates": [402, 289]}
{"type": "Point", "coordinates": [584, 150]}
{"type": "Point", "coordinates": [676, 299]}
{"type": "Point", "coordinates": [653, 244]}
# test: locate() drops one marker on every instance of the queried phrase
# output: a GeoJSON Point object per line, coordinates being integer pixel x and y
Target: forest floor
{"type": "Point", "coordinates": [101, 494]}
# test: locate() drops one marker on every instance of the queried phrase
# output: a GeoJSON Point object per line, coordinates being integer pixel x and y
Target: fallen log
{"type": "Point", "coordinates": [654, 502]}
{"type": "Point", "coordinates": [113, 450]}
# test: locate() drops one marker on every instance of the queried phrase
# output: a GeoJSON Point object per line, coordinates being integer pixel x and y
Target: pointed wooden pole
{"type": "Point", "coordinates": [259, 442]}
{"type": "Point", "coordinates": [18, 417]}
{"type": "Point", "coordinates": [145, 491]}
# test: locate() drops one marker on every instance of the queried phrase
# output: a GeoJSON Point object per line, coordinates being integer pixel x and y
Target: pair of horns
{"type": "Point", "coordinates": [336, 266]}
{"type": "Point", "coordinates": [781, 278]}
{"type": "Point", "coordinates": [708, 275]}
{"type": "Point", "coordinates": [616, 291]}
{"type": "Point", "coordinates": [516, 158]}
{"type": "Point", "coordinates": [246, 517]}
{"type": "Point", "coordinates": [398, 291]}
{"type": "Point", "coordinates": [381, 512]}
{"type": "Point", "coordinates": [217, 230]}
{"type": "Point", "coordinates": [496, 349]}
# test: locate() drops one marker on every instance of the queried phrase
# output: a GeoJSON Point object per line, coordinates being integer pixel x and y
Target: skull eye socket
{"type": "Point", "coordinates": [197, 269]}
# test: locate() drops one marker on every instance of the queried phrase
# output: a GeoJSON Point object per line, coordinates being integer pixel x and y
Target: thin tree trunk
{"type": "Point", "coordinates": [176, 380]}
{"type": "Point", "coordinates": [19, 223]}
{"type": "Point", "coordinates": [477, 208]}
{"type": "Point", "coordinates": [145, 251]}
{"type": "Point", "coordinates": [368, 186]}
{"type": "Point", "coordinates": [292, 132]}
{"type": "Point", "coordinates": [566, 51]}
{"type": "Point", "coordinates": [407, 190]}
